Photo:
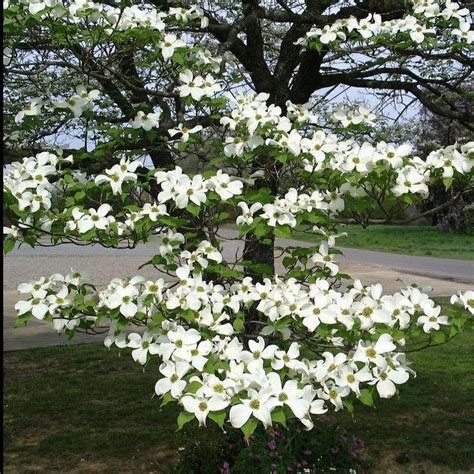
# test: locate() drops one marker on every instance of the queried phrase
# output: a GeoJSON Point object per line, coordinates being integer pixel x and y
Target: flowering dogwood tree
{"type": "Point", "coordinates": [155, 122]}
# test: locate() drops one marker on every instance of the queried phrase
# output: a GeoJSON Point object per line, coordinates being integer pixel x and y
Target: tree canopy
{"type": "Point", "coordinates": [162, 122]}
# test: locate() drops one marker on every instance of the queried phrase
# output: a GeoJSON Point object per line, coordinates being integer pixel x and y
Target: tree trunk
{"type": "Point", "coordinates": [255, 250]}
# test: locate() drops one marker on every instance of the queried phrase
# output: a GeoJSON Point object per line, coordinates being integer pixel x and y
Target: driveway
{"type": "Point", "coordinates": [445, 276]}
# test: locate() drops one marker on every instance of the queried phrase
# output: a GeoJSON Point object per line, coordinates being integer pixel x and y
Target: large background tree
{"type": "Point", "coordinates": [434, 132]}
{"type": "Point", "coordinates": [259, 41]}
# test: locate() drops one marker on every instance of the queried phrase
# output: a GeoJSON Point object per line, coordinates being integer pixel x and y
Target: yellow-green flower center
{"type": "Point", "coordinates": [255, 404]}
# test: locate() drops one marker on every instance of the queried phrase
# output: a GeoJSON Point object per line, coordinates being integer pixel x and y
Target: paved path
{"type": "Point", "coordinates": [394, 271]}
{"type": "Point", "coordinates": [441, 268]}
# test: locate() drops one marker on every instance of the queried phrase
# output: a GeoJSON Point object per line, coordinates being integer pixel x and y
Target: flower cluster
{"type": "Point", "coordinates": [118, 174]}
{"type": "Point", "coordinates": [33, 108]}
{"type": "Point", "coordinates": [85, 220]}
{"type": "Point", "coordinates": [418, 27]}
{"type": "Point", "coordinates": [52, 297]}
{"type": "Point", "coordinates": [146, 121]}
{"type": "Point", "coordinates": [354, 117]}
{"type": "Point", "coordinates": [197, 86]}
{"type": "Point", "coordinates": [233, 342]}
{"type": "Point", "coordinates": [283, 211]}
{"type": "Point", "coordinates": [32, 182]}
{"type": "Point", "coordinates": [169, 44]}
{"type": "Point", "coordinates": [208, 367]}
{"type": "Point", "coordinates": [80, 101]}
{"type": "Point", "coordinates": [466, 299]}
{"type": "Point", "coordinates": [182, 189]}
{"type": "Point", "coordinates": [183, 133]}
{"type": "Point", "coordinates": [115, 18]}
{"type": "Point", "coordinates": [28, 181]}
{"type": "Point", "coordinates": [255, 123]}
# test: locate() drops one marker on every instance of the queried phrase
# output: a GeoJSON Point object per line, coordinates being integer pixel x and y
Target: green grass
{"type": "Point", "coordinates": [408, 239]}
{"type": "Point", "coordinates": [87, 409]}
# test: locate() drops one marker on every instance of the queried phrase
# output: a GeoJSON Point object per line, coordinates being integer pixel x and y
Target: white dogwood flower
{"type": "Point", "coordinates": [146, 121]}
{"type": "Point", "coordinates": [80, 101]}
{"type": "Point", "coordinates": [257, 354]}
{"type": "Point", "coordinates": [431, 320]}
{"type": "Point", "coordinates": [123, 298]}
{"type": "Point", "coordinates": [201, 406]}
{"type": "Point", "coordinates": [193, 86]}
{"type": "Point", "coordinates": [289, 395]}
{"type": "Point", "coordinates": [173, 378]}
{"type": "Point", "coordinates": [184, 132]}
{"type": "Point", "coordinates": [169, 44]}
{"type": "Point", "coordinates": [118, 174]}
{"type": "Point", "coordinates": [287, 358]}
{"type": "Point", "coordinates": [181, 344]}
{"type": "Point", "coordinates": [58, 300]}
{"type": "Point", "coordinates": [224, 186]}
{"type": "Point", "coordinates": [259, 404]}
{"type": "Point", "coordinates": [324, 258]}
{"type": "Point", "coordinates": [33, 108]}
{"type": "Point", "coordinates": [94, 219]}
{"type": "Point", "coordinates": [142, 345]}
{"type": "Point", "coordinates": [466, 298]}
{"type": "Point", "coordinates": [37, 304]}
{"type": "Point", "coordinates": [386, 379]}
{"type": "Point", "coordinates": [374, 352]}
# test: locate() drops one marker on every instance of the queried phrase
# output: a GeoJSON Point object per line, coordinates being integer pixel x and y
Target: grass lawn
{"type": "Point", "coordinates": [86, 409]}
{"type": "Point", "coordinates": [406, 239]}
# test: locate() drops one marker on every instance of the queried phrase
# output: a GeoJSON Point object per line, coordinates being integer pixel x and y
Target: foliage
{"type": "Point", "coordinates": [435, 131]}
{"type": "Point", "coordinates": [277, 451]}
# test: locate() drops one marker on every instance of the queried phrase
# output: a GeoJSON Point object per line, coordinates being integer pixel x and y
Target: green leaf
{"type": "Point", "coordinates": [172, 221]}
{"type": "Point", "coordinates": [283, 158]}
{"type": "Point", "coordinates": [282, 323]}
{"type": "Point", "coordinates": [23, 319]}
{"type": "Point", "coordinates": [183, 418]}
{"type": "Point", "coordinates": [88, 235]}
{"type": "Point", "coordinates": [156, 260]}
{"type": "Point", "coordinates": [261, 228]}
{"type": "Point", "coordinates": [349, 406]}
{"type": "Point", "coordinates": [223, 216]}
{"type": "Point", "coordinates": [366, 397]}
{"type": "Point", "coordinates": [193, 209]}
{"type": "Point", "coordinates": [282, 231]}
{"type": "Point", "coordinates": [188, 315]}
{"type": "Point", "coordinates": [262, 268]}
{"type": "Point", "coordinates": [218, 417]}
{"type": "Point", "coordinates": [167, 398]}
{"type": "Point", "coordinates": [263, 195]}
{"type": "Point", "coordinates": [209, 368]}
{"type": "Point", "coordinates": [278, 416]}
{"type": "Point", "coordinates": [223, 271]}
{"type": "Point", "coordinates": [439, 337]}
{"type": "Point", "coordinates": [193, 387]}
{"type": "Point", "coordinates": [79, 196]}
{"type": "Point", "coordinates": [316, 218]}
{"type": "Point", "coordinates": [238, 323]}
{"type": "Point", "coordinates": [249, 427]}
{"type": "Point", "coordinates": [288, 261]}
{"type": "Point", "coordinates": [8, 245]}
{"type": "Point", "coordinates": [448, 182]}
